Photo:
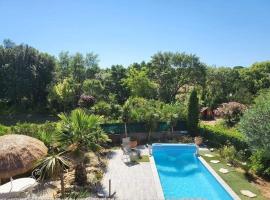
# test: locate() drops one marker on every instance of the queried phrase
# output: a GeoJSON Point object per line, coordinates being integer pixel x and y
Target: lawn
{"type": "Point", "coordinates": [235, 178]}
{"type": "Point", "coordinates": [144, 158]}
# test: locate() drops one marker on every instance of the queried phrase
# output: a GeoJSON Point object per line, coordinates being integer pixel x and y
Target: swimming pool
{"type": "Point", "coordinates": [183, 175]}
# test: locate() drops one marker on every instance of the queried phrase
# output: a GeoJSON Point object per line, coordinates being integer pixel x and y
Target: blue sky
{"type": "Point", "coordinates": [220, 32]}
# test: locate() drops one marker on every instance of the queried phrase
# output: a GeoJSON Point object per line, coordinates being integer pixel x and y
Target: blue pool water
{"type": "Point", "coordinates": [183, 176]}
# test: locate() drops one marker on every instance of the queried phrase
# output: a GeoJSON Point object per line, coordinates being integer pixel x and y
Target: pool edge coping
{"type": "Point", "coordinates": [219, 179]}
{"type": "Point", "coordinates": [157, 183]}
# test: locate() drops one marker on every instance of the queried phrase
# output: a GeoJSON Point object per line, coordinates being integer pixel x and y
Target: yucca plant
{"type": "Point", "coordinates": [82, 130]}
{"type": "Point", "coordinates": [53, 167]}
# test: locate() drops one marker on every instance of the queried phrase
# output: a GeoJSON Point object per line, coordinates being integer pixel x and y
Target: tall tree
{"type": "Point", "coordinates": [25, 75]}
{"type": "Point", "coordinates": [139, 84]}
{"type": "Point", "coordinates": [63, 65]}
{"type": "Point", "coordinates": [114, 83]}
{"type": "Point", "coordinates": [94, 88]}
{"type": "Point", "coordinates": [193, 113]}
{"type": "Point", "coordinates": [173, 70]}
{"type": "Point", "coordinates": [78, 67]}
{"type": "Point", "coordinates": [91, 64]}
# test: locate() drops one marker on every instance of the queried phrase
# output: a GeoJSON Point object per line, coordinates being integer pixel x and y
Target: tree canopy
{"type": "Point", "coordinates": [33, 80]}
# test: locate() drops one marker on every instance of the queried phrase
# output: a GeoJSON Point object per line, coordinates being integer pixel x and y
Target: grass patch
{"type": "Point", "coordinates": [144, 158]}
{"type": "Point", "coordinates": [115, 147]}
{"type": "Point", "coordinates": [236, 179]}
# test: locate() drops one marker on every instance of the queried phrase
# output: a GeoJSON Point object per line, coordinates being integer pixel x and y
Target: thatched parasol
{"type": "Point", "coordinates": [19, 153]}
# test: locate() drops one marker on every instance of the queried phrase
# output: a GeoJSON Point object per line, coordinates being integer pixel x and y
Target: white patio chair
{"type": "Point", "coordinates": [20, 187]}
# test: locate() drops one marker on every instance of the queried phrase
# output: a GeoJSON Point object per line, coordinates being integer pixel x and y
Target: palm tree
{"type": "Point", "coordinates": [53, 167]}
{"type": "Point", "coordinates": [82, 130]}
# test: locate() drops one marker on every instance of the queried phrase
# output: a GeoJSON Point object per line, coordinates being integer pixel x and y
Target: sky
{"type": "Point", "coordinates": [220, 32]}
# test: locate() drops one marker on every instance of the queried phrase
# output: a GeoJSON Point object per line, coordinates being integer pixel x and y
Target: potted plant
{"type": "Point", "coordinates": [133, 142]}
{"type": "Point", "coordinates": [198, 140]}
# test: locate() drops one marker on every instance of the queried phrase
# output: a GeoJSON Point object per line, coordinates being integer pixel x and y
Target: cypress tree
{"type": "Point", "coordinates": [193, 113]}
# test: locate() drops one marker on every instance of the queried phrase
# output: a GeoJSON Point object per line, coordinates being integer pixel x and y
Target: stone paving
{"type": "Point", "coordinates": [130, 182]}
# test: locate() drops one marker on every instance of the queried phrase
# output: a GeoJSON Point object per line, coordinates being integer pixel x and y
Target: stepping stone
{"type": "Point", "coordinates": [101, 195]}
{"type": "Point", "coordinates": [248, 193]}
{"type": "Point", "coordinates": [228, 164]}
{"type": "Point", "coordinates": [214, 161]}
{"type": "Point", "coordinates": [212, 149]}
{"type": "Point", "coordinates": [208, 155]}
{"type": "Point", "coordinates": [223, 170]}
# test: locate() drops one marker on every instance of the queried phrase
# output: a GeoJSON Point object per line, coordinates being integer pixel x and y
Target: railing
{"type": "Point", "coordinates": [119, 128]}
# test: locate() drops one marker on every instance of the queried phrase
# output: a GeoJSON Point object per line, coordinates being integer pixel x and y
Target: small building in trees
{"type": "Point", "coordinates": [207, 113]}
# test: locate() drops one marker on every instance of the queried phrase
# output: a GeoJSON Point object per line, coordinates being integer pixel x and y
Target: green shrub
{"type": "Point", "coordinates": [46, 132]}
{"type": "Point", "coordinates": [25, 129]}
{"type": "Point", "coordinates": [219, 136]}
{"type": "Point", "coordinates": [231, 112]}
{"type": "Point", "coordinates": [229, 153]}
{"type": "Point", "coordinates": [260, 163]}
{"type": "Point", "coordinates": [255, 126]}
{"type": "Point", "coordinates": [3, 130]}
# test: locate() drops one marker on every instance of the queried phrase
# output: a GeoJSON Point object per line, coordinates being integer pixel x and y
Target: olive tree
{"type": "Point", "coordinates": [255, 125]}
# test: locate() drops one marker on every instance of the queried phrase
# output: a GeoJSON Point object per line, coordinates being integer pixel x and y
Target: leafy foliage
{"type": "Point", "coordinates": [25, 74]}
{"type": "Point", "coordinates": [173, 70]}
{"type": "Point", "coordinates": [53, 167]}
{"type": "Point", "coordinates": [63, 95]}
{"type": "Point", "coordinates": [255, 123]}
{"type": "Point", "coordinates": [172, 113]}
{"type": "Point", "coordinates": [93, 88]}
{"type": "Point", "coordinates": [47, 132]}
{"type": "Point", "coordinates": [260, 162]}
{"type": "Point", "coordinates": [225, 84]}
{"type": "Point", "coordinates": [139, 84]}
{"type": "Point", "coordinates": [82, 130]}
{"type": "Point", "coordinates": [229, 153]}
{"type": "Point", "coordinates": [114, 83]}
{"type": "Point", "coordinates": [86, 101]}
{"type": "Point", "coordinates": [3, 130]}
{"type": "Point", "coordinates": [256, 128]}
{"type": "Point", "coordinates": [231, 112]}
{"type": "Point", "coordinates": [219, 136]}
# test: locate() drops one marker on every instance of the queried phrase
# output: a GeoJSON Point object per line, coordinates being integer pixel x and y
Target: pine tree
{"type": "Point", "coordinates": [193, 113]}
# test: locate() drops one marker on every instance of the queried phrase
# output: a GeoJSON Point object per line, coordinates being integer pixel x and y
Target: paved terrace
{"type": "Point", "coordinates": [130, 181]}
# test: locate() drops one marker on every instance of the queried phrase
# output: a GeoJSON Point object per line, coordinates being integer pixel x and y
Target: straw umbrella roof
{"type": "Point", "coordinates": [19, 153]}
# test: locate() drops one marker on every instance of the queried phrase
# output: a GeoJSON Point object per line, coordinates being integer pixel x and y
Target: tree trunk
{"type": "Point", "coordinates": [62, 185]}
{"type": "Point", "coordinates": [149, 134]}
{"type": "Point", "coordinates": [172, 129]}
{"type": "Point", "coordinates": [126, 129]}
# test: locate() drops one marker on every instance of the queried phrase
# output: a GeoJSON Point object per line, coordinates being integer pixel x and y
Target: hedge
{"type": "Point", "coordinates": [3, 129]}
{"type": "Point", "coordinates": [218, 136]}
